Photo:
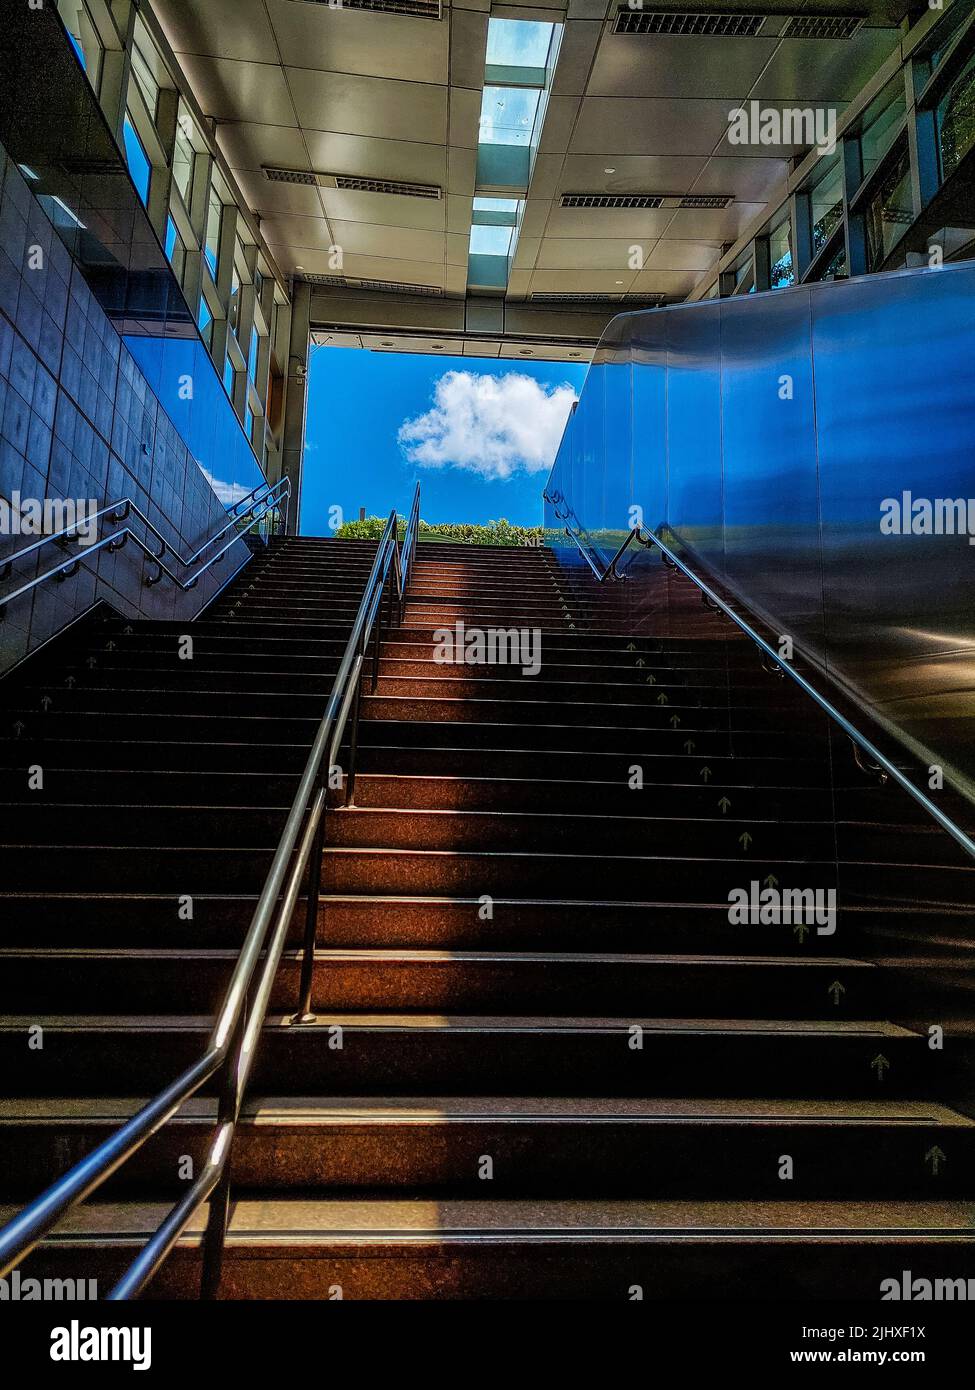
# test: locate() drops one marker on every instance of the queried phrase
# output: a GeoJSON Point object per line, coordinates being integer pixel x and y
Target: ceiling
{"type": "Point", "coordinates": [296, 84]}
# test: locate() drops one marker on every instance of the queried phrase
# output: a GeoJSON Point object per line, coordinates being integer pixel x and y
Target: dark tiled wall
{"type": "Point", "coordinates": [78, 420]}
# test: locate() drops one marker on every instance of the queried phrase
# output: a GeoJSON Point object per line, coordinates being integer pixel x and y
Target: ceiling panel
{"type": "Point", "coordinates": [819, 70]}
{"type": "Point", "coordinates": [683, 255]}
{"type": "Point", "coordinates": [674, 283]}
{"type": "Point", "coordinates": [713, 224]}
{"type": "Point", "coordinates": [263, 196]}
{"type": "Point", "coordinates": [633, 125]}
{"type": "Point", "coordinates": [224, 28]}
{"type": "Point", "coordinates": [671, 173]}
{"type": "Point", "coordinates": [386, 209]}
{"type": "Point", "coordinates": [249, 146]}
{"type": "Point", "coordinates": [399, 243]}
{"type": "Point", "coordinates": [336, 153]}
{"type": "Point", "coordinates": [750, 177]}
{"type": "Point", "coordinates": [369, 105]}
{"type": "Point", "coordinates": [608, 222]}
{"type": "Point", "coordinates": [233, 91]}
{"type": "Point", "coordinates": [664, 66]}
{"type": "Point", "coordinates": [355, 41]}
{"type": "Point", "coordinates": [586, 253]}
{"type": "Point", "coordinates": [579, 43]}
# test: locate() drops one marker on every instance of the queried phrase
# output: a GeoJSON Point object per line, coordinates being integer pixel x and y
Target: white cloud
{"type": "Point", "coordinates": [491, 425]}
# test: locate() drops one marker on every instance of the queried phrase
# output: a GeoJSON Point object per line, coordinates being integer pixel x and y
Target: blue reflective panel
{"type": "Point", "coordinates": [249, 423]}
{"type": "Point", "coordinates": [490, 241]}
{"type": "Point", "coordinates": [138, 161]}
{"type": "Point", "coordinates": [228, 377]}
{"type": "Point", "coordinates": [518, 43]}
{"type": "Point", "coordinates": [252, 352]}
{"type": "Point", "coordinates": [508, 115]}
{"type": "Point", "coordinates": [171, 237]}
{"type": "Point", "coordinates": [78, 50]}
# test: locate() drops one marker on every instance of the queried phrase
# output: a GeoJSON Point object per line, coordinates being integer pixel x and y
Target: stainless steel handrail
{"type": "Point", "coordinates": [258, 510]}
{"type": "Point", "coordinates": [236, 1031]}
{"type": "Point", "coordinates": [649, 538]}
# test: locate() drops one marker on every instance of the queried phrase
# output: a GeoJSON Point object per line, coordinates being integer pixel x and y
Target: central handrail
{"type": "Point", "coordinates": [647, 538]}
{"type": "Point", "coordinates": [236, 1031]}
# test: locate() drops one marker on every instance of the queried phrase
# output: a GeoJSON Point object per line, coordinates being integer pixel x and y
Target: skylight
{"type": "Point", "coordinates": [508, 115]}
{"type": "Point", "coordinates": [518, 43]}
{"type": "Point", "coordinates": [490, 241]}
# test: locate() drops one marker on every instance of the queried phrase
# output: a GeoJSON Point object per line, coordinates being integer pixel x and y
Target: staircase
{"type": "Point", "coordinates": [543, 1061]}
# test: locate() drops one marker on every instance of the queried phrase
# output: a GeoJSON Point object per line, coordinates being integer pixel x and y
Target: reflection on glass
{"type": "Point", "coordinates": [175, 250]}
{"type": "Point", "coordinates": [211, 250]}
{"type": "Point", "coordinates": [826, 200]}
{"type": "Point", "coordinates": [147, 83]}
{"type": "Point", "coordinates": [956, 120]}
{"type": "Point", "coordinates": [890, 211]}
{"type": "Point", "coordinates": [881, 124]}
{"type": "Point", "coordinates": [836, 269]}
{"type": "Point", "coordinates": [252, 352]}
{"type": "Point", "coordinates": [781, 271]}
{"type": "Point", "coordinates": [83, 37]}
{"type": "Point", "coordinates": [228, 376]}
{"type": "Point", "coordinates": [183, 155]}
{"type": "Point", "coordinates": [508, 115]}
{"type": "Point", "coordinates": [138, 161]}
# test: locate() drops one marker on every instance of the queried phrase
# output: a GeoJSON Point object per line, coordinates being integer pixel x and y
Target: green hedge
{"type": "Point", "coordinates": [458, 533]}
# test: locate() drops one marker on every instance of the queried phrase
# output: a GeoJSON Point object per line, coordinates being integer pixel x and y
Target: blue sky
{"type": "Point", "coordinates": [480, 435]}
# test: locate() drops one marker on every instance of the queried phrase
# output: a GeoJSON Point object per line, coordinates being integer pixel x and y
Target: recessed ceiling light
{"type": "Point", "coordinates": [619, 282]}
{"type": "Point", "coordinates": [385, 344]}
{"type": "Point", "coordinates": [525, 352]}
{"type": "Point", "coordinates": [609, 171]}
{"type": "Point", "coordinates": [575, 354]}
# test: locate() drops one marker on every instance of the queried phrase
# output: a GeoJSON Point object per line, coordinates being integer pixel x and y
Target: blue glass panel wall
{"type": "Point", "coordinates": [771, 434]}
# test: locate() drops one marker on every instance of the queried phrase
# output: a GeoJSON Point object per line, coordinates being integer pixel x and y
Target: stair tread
{"type": "Point", "coordinates": [446, 1109]}
{"type": "Point", "coordinates": [301, 1220]}
{"type": "Point", "coordinates": [431, 1023]}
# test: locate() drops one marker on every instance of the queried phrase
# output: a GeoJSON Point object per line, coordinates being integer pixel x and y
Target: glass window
{"type": "Point", "coordinates": [253, 352]}
{"type": "Point", "coordinates": [781, 272]}
{"type": "Point", "coordinates": [881, 123]}
{"type": "Point", "coordinates": [205, 321]}
{"type": "Point", "coordinates": [228, 376]}
{"type": "Point", "coordinates": [184, 154]}
{"type": "Point", "coordinates": [143, 75]}
{"type": "Point", "coordinates": [890, 211]}
{"type": "Point", "coordinates": [249, 423]}
{"type": "Point", "coordinates": [214, 224]}
{"type": "Point", "coordinates": [508, 115]}
{"type": "Point", "coordinates": [826, 203]}
{"type": "Point", "coordinates": [138, 160]}
{"type": "Point", "coordinates": [837, 265]}
{"type": "Point", "coordinates": [233, 308]}
{"type": "Point", "coordinates": [956, 120]}
{"type": "Point", "coordinates": [175, 250]}
{"type": "Point", "coordinates": [83, 38]}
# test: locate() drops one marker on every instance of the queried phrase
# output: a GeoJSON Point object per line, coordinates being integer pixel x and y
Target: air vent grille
{"type": "Point", "coordinates": [822, 26]}
{"type": "Point", "coordinates": [274, 175]}
{"type": "Point", "coordinates": [683, 23]}
{"type": "Point", "coordinates": [404, 190]}
{"type": "Point", "coordinates": [385, 286]}
{"type": "Point", "coordinates": [547, 297]}
{"type": "Point", "coordinates": [611, 200]}
{"type": "Point", "coordinates": [417, 9]}
{"type": "Point", "coordinates": [352, 183]}
{"type": "Point", "coordinates": [646, 200]}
